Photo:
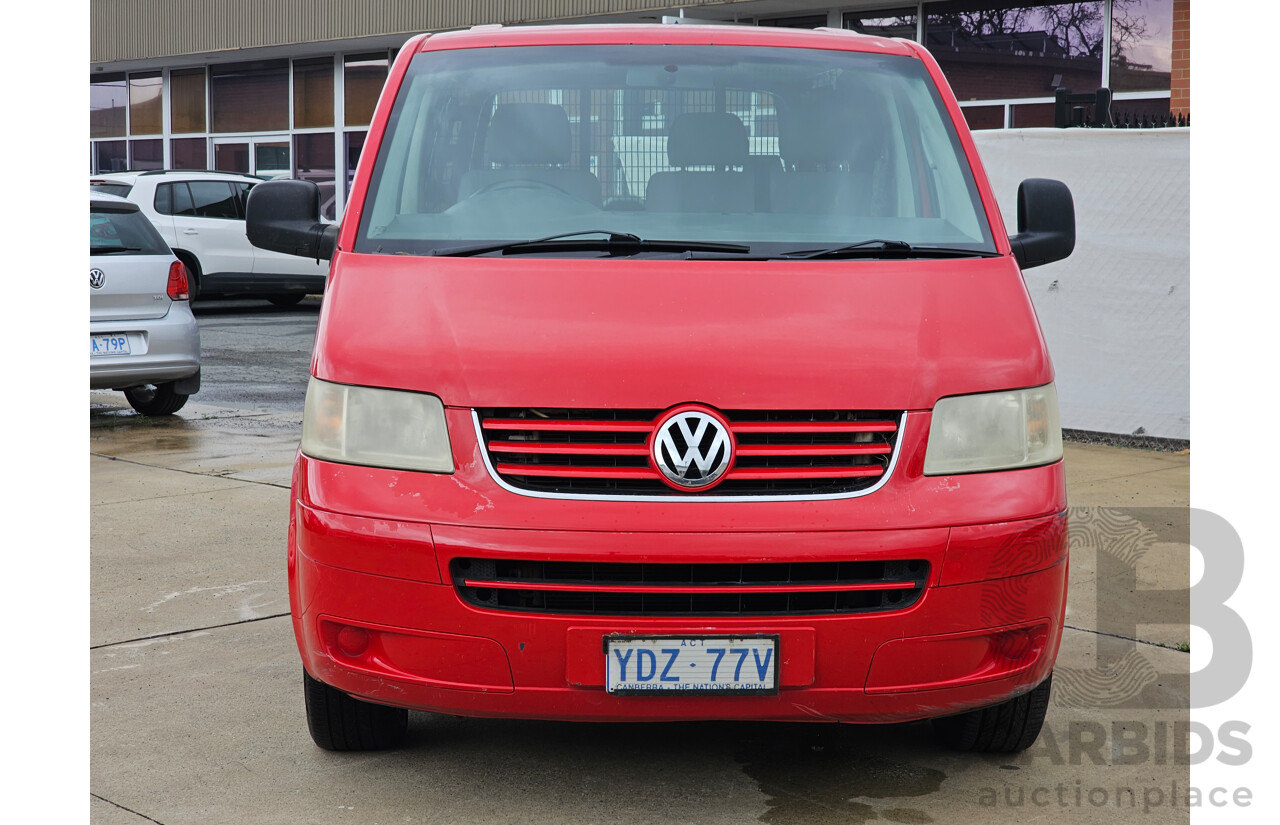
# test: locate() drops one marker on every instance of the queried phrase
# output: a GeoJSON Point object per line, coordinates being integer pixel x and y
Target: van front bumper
{"type": "Point", "coordinates": [377, 615]}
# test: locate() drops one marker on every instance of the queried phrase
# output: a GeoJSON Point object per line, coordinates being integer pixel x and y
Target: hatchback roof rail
{"type": "Point", "coordinates": [197, 172]}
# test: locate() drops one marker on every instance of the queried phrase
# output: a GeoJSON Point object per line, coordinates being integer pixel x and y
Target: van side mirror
{"type": "Point", "coordinates": [284, 216]}
{"type": "Point", "coordinates": [1046, 223]}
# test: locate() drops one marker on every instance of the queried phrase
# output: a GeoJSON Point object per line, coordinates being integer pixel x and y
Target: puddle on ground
{"type": "Point", "coordinates": [817, 776]}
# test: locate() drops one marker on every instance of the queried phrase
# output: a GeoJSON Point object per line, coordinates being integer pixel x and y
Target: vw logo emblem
{"type": "Point", "coordinates": [97, 278]}
{"type": "Point", "coordinates": [692, 447]}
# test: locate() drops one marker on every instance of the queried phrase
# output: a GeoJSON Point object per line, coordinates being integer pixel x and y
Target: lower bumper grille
{"type": "Point", "coordinates": [642, 589]}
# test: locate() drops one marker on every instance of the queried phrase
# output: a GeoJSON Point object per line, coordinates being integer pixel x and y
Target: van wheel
{"type": "Point", "coordinates": [286, 299]}
{"type": "Point", "coordinates": [1008, 727]}
{"type": "Point", "coordinates": [155, 399]}
{"type": "Point", "coordinates": [339, 722]}
{"type": "Point", "coordinates": [193, 273]}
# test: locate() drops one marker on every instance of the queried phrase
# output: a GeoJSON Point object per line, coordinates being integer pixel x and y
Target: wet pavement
{"type": "Point", "coordinates": [196, 701]}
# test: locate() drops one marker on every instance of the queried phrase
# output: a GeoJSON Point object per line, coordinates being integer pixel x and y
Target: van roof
{"type": "Point", "coordinates": [654, 34]}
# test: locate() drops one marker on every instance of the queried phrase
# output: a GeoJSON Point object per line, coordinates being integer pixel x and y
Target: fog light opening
{"type": "Point", "coordinates": [353, 641]}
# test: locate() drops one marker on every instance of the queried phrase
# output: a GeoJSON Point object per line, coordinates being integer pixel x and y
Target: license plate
{"type": "Point", "coordinates": [108, 345]}
{"type": "Point", "coordinates": [746, 665]}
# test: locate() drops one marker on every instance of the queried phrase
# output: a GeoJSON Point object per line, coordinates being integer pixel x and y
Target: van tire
{"type": "Point", "coordinates": [339, 722]}
{"type": "Point", "coordinates": [155, 399]}
{"type": "Point", "coordinates": [1008, 727]}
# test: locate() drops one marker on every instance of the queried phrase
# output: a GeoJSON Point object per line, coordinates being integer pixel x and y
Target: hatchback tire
{"type": "Point", "coordinates": [155, 399]}
{"type": "Point", "coordinates": [287, 299]}
{"type": "Point", "coordinates": [1008, 727]}
{"type": "Point", "coordinates": [339, 722]}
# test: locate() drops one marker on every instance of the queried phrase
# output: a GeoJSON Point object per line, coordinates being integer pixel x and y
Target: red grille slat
{"type": "Point", "coordinates": [745, 427]}
{"type": "Point", "coordinates": [754, 450]}
{"type": "Point", "coordinates": [563, 471]}
{"type": "Point", "coordinates": [806, 472]}
{"type": "Point", "coordinates": [567, 426]}
{"type": "Point", "coordinates": [554, 448]}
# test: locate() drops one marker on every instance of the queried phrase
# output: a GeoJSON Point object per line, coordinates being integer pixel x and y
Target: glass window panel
{"type": "Point", "coordinates": [242, 197]}
{"type": "Point", "coordinates": [250, 97]}
{"type": "Point", "coordinates": [271, 158]}
{"type": "Point", "coordinates": [355, 145]}
{"type": "Point", "coordinates": [163, 200]}
{"type": "Point", "coordinates": [997, 50]}
{"type": "Point", "coordinates": [314, 162]}
{"type": "Point", "coordinates": [186, 101]}
{"type": "Point", "coordinates": [808, 21]}
{"type": "Point", "coordinates": [112, 156]}
{"type": "Point", "coordinates": [188, 153]}
{"type": "Point", "coordinates": [1141, 45]}
{"type": "Point", "coordinates": [231, 157]}
{"type": "Point", "coordinates": [146, 154]}
{"type": "Point", "coordinates": [108, 98]}
{"type": "Point", "coordinates": [363, 77]}
{"type": "Point", "coordinates": [213, 198]}
{"type": "Point", "coordinates": [181, 199]}
{"type": "Point", "coordinates": [145, 92]}
{"type": "Point", "coordinates": [313, 93]}
{"type": "Point", "coordinates": [884, 22]}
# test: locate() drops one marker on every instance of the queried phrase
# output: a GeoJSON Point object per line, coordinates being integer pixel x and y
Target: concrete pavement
{"type": "Point", "coordinates": [197, 713]}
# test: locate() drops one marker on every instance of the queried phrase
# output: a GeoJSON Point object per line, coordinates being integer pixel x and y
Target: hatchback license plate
{"type": "Point", "coordinates": [744, 665]}
{"type": "Point", "coordinates": [108, 345]}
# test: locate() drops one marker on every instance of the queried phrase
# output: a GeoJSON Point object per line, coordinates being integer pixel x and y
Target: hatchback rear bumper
{"type": "Point", "coordinates": [169, 351]}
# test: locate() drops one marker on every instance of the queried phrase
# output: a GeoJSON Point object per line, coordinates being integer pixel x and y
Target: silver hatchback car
{"type": "Point", "coordinates": [143, 338]}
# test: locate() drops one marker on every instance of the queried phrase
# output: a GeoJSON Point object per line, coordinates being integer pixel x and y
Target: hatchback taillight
{"type": "Point", "coordinates": [178, 289]}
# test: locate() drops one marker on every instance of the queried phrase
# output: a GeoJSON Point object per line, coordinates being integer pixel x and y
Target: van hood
{"type": "Point", "coordinates": [650, 334]}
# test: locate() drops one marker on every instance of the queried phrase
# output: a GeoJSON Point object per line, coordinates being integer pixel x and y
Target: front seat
{"type": "Point", "coordinates": [704, 139]}
{"type": "Point", "coordinates": [530, 142]}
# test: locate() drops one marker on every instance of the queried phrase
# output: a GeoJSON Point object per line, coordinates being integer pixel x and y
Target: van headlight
{"type": "Point", "coordinates": [375, 428]}
{"type": "Point", "coordinates": [994, 431]}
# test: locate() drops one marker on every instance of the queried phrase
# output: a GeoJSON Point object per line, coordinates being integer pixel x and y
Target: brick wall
{"type": "Point", "coordinates": [1180, 93]}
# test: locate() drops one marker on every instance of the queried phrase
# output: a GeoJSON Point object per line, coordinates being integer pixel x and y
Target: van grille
{"type": "Point", "coordinates": [642, 589]}
{"type": "Point", "coordinates": [605, 453]}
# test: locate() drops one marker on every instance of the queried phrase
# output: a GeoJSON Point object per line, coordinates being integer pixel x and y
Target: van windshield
{"type": "Point", "coordinates": [778, 149]}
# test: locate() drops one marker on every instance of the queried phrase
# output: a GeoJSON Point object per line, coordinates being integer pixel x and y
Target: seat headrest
{"type": "Point", "coordinates": [707, 139]}
{"type": "Point", "coordinates": [529, 134]}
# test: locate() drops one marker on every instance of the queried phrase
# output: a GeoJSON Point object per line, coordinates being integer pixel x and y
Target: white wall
{"type": "Point", "coordinates": [1117, 313]}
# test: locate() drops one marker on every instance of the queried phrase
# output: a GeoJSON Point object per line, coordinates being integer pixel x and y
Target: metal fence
{"type": "Point", "coordinates": [1096, 110]}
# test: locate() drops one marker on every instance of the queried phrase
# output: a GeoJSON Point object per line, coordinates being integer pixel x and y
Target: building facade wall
{"type": "Point", "coordinates": [140, 29]}
{"type": "Point", "coordinates": [1180, 90]}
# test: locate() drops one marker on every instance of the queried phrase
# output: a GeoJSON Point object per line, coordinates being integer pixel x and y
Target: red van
{"type": "Point", "coordinates": [675, 372]}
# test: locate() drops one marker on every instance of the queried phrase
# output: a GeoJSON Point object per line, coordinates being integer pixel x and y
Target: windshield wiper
{"type": "Point", "coordinates": [880, 248]}
{"type": "Point", "coordinates": [103, 250]}
{"type": "Point", "coordinates": [615, 243]}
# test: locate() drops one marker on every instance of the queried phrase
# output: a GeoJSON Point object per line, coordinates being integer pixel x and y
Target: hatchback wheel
{"type": "Point", "coordinates": [339, 722]}
{"type": "Point", "coordinates": [287, 299]}
{"type": "Point", "coordinates": [155, 399]}
{"type": "Point", "coordinates": [1008, 727]}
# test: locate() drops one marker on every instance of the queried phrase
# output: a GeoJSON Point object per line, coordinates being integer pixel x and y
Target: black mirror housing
{"type": "Point", "coordinates": [1046, 223]}
{"type": "Point", "coordinates": [284, 216]}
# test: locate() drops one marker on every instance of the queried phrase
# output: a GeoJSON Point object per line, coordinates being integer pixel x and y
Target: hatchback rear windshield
{"type": "Point", "coordinates": [120, 190]}
{"type": "Point", "coordinates": [774, 148]}
{"type": "Point", "coordinates": [123, 232]}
